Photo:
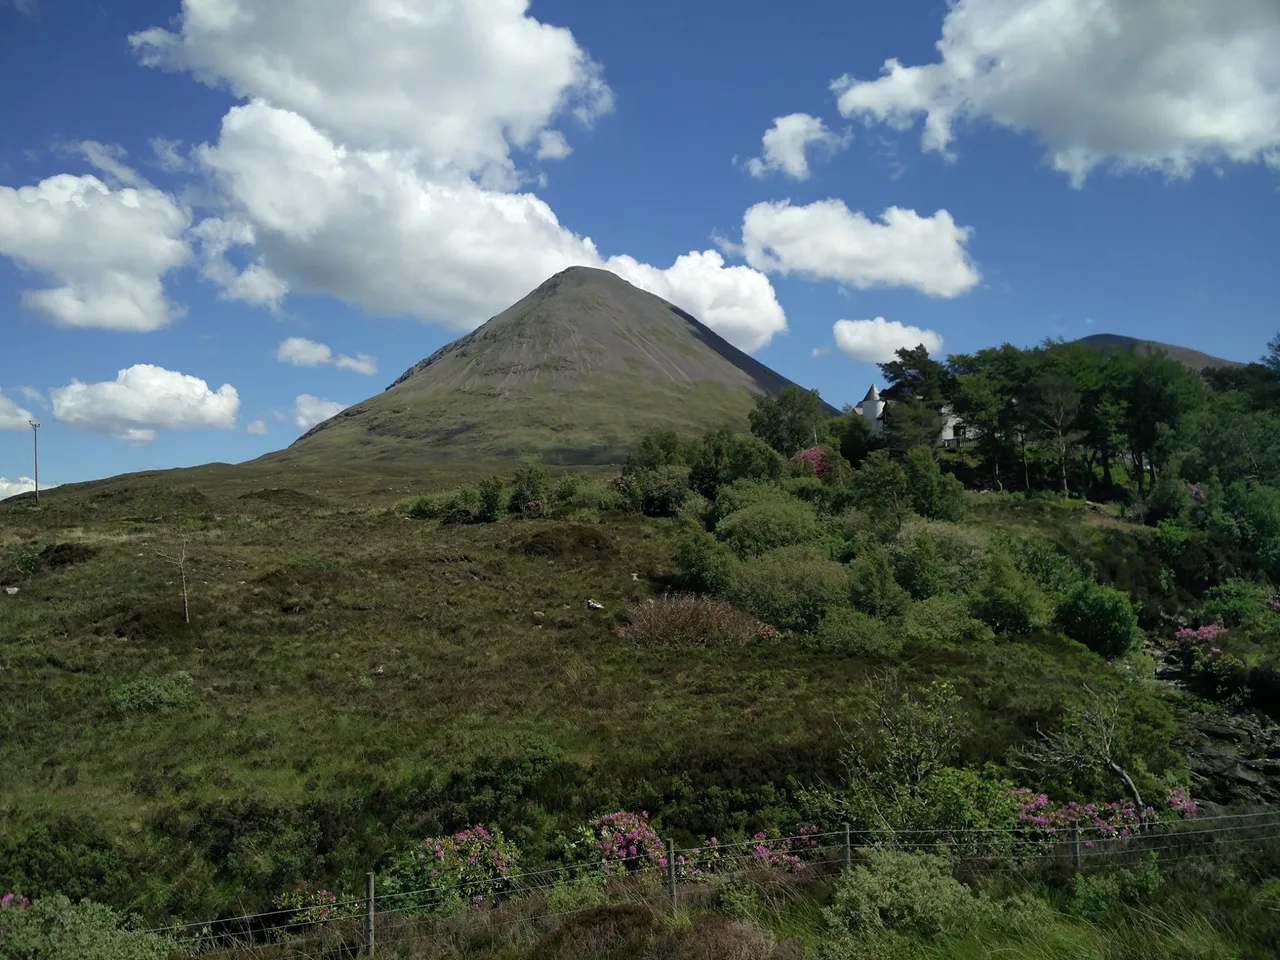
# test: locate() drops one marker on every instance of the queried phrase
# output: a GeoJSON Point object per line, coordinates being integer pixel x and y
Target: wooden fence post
{"type": "Point", "coordinates": [848, 847]}
{"type": "Point", "coordinates": [1076, 855]}
{"type": "Point", "coordinates": [671, 873]}
{"type": "Point", "coordinates": [368, 914]}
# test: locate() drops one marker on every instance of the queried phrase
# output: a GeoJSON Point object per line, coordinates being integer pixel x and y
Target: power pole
{"type": "Point", "coordinates": [35, 445]}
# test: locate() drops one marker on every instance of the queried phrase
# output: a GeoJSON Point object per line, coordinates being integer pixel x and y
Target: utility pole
{"type": "Point", "coordinates": [35, 445]}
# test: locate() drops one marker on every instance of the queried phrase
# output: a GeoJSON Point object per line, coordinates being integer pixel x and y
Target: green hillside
{"type": "Point", "coordinates": [570, 374]}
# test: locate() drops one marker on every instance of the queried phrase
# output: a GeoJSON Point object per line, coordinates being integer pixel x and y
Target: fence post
{"type": "Point", "coordinates": [671, 873]}
{"type": "Point", "coordinates": [1076, 856]}
{"type": "Point", "coordinates": [368, 914]}
{"type": "Point", "coordinates": [848, 847]}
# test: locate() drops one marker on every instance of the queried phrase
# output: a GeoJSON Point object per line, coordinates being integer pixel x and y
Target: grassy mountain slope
{"type": "Point", "coordinates": [1184, 355]}
{"type": "Point", "coordinates": [571, 374]}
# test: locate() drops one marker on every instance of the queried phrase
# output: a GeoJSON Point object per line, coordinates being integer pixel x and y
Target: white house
{"type": "Point", "coordinates": [872, 407]}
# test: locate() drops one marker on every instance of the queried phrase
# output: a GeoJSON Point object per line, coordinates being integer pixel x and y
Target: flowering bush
{"type": "Point", "coordinates": [814, 458]}
{"type": "Point", "coordinates": [473, 865]}
{"type": "Point", "coordinates": [14, 901]}
{"type": "Point", "coordinates": [774, 850]}
{"type": "Point", "coordinates": [621, 842]}
{"type": "Point", "coordinates": [309, 907]}
{"type": "Point", "coordinates": [1204, 634]}
{"type": "Point", "coordinates": [1106, 821]}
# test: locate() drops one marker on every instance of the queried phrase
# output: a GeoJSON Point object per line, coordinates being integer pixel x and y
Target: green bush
{"type": "Point", "coordinates": [149, 694]}
{"type": "Point", "coordinates": [872, 585]}
{"type": "Point", "coordinates": [942, 621]}
{"type": "Point", "coordinates": [767, 525]}
{"type": "Point", "coordinates": [895, 891]}
{"type": "Point", "coordinates": [1101, 618]}
{"type": "Point", "coordinates": [695, 509]}
{"type": "Point", "coordinates": [659, 492]}
{"type": "Point", "coordinates": [429, 506]}
{"type": "Point", "coordinates": [920, 570]}
{"type": "Point", "coordinates": [464, 506]}
{"type": "Point", "coordinates": [932, 493]}
{"type": "Point", "coordinates": [568, 488]}
{"type": "Point", "coordinates": [791, 588]}
{"type": "Point", "coordinates": [855, 634]}
{"type": "Point", "coordinates": [492, 499]}
{"type": "Point", "coordinates": [745, 493]}
{"type": "Point", "coordinates": [703, 563]}
{"type": "Point", "coordinates": [53, 928]}
{"type": "Point", "coordinates": [1239, 604]}
{"type": "Point", "coordinates": [1007, 600]}
{"type": "Point", "coordinates": [529, 484]}
{"type": "Point", "coordinates": [879, 488]}
{"type": "Point", "coordinates": [726, 457]}
{"type": "Point", "coordinates": [1096, 895]}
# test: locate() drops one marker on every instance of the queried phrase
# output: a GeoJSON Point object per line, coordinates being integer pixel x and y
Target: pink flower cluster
{"type": "Point", "coordinates": [1205, 634]}
{"type": "Point", "coordinates": [15, 901]}
{"type": "Point", "coordinates": [476, 852]}
{"type": "Point", "coordinates": [1104, 820]}
{"type": "Point", "coordinates": [785, 853]}
{"type": "Point", "coordinates": [817, 457]}
{"type": "Point", "coordinates": [1197, 492]}
{"type": "Point", "coordinates": [624, 841]}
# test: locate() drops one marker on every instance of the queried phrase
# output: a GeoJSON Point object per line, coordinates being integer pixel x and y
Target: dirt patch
{"type": "Point", "coordinates": [60, 555]}
{"type": "Point", "coordinates": [573, 540]}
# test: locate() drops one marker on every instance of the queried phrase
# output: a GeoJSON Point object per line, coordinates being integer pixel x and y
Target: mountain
{"type": "Point", "coordinates": [1184, 355]}
{"type": "Point", "coordinates": [574, 373]}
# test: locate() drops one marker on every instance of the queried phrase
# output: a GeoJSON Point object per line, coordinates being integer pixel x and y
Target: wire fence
{"type": "Point", "coordinates": [444, 916]}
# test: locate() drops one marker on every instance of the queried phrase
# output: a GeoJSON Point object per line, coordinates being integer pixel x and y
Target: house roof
{"type": "Point", "coordinates": [872, 394]}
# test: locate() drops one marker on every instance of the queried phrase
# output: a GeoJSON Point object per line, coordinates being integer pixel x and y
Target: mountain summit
{"type": "Point", "coordinates": [1184, 355]}
{"type": "Point", "coordinates": [574, 373]}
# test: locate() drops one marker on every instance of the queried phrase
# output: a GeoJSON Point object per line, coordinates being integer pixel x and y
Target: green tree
{"type": "Point", "coordinates": [986, 385]}
{"type": "Point", "coordinates": [1055, 405]}
{"type": "Point", "coordinates": [790, 420]}
{"type": "Point", "coordinates": [911, 423]}
{"type": "Point", "coordinates": [1272, 359]}
{"type": "Point", "coordinates": [914, 375]}
{"type": "Point", "coordinates": [932, 493]}
{"type": "Point", "coordinates": [879, 488]}
{"type": "Point", "coordinates": [1101, 618]}
{"type": "Point", "coordinates": [851, 434]}
{"type": "Point", "coordinates": [725, 456]}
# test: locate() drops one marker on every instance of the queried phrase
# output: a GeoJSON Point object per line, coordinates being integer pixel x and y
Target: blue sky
{"type": "Point", "coordinates": [218, 217]}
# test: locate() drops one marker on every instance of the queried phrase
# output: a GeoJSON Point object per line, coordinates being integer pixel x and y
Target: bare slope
{"type": "Point", "coordinates": [1184, 355]}
{"type": "Point", "coordinates": [572, 374]}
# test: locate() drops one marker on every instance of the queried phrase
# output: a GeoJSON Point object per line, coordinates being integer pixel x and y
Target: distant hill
{"type": "Point", "coordinates": [1184, 355]}
{"type": "Point", "coordinates": [573, 373]}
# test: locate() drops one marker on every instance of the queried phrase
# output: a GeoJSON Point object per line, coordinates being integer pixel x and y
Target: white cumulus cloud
{"type": "Point", "coordinates": [254, 284]}
{"type": "Point", "coordinates": [370, 229]}
{"type": "Point", "coordinates": [144, 399]}
{"type": "Point", "coordinates": [1143, 84]}
{"type": "Point", "coordinates": [309, 410]}
{"type": "Point", "coordinates": [302, 352]}
{"type": "Point", "coordinates": [256, 428]}
{"type": "Point", "coordinates": [788, 141]}
{"type": "Point", "coordinates": [820, 351]}
{"type": "Point", "coordinates": [553, 146]}
{"type": "Point", "coordinates": [879, 340]}
{"type": "Point", "coordinates": [12, 416]}
{"type": "Point", "coordinates": [11, 488]}
{"type": "Point", "coordinates": [105, 250]}
{"type": "Point", "coordinates": [456, 82]}
{"type": "Point", "coordinates": [825, 240]}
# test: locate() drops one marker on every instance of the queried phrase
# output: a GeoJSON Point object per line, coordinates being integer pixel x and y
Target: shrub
{"type": "Point", "coordinates": [1239, 604]}
{"type": "Point", "coordinates": [791, 588]}
{"type": "Point", "coordinates": [726, 457]}
{"type": "Point", "coordinates": [429, 506]}
{"type": "Point", "coordinates": [879, 488]}
{"type": "Point", "coordinates": [872, 586]}
{"type": "Point", "coordinates": [149, 694]}
{"type": "Point", "coordinates": [1096, 895]}
{"type": "Point", "coordinates": [664, 448]}
{"type": "Point", "coordinates": [53, 928]}
{"type": "Point", "coordinates": [308, 907]}
{"type": "Point", "coordinates": [529, 483]}
{"type": "Point", "coordinates": [1047, 566]}
{"type": "Point", "coordinates": [942, 621]}
{"type": "Point", "coordinates": [919, 569]}
{"type": "Point", "coordinates": [1101, 618]}
{"type": "Point", "coordinates": [568, 488]}
{"type": "Point", "coordinates": [745, 493]}
{"type": "Point", "coordinates": [1007, 600]}
{"type": "Point", "coordinates": [685, 620]}
{"type": "Point", "coordinates": [659, 492]}
{"type": "Point", "coordinates": [621, 842]}
{"type": "Point", "coordinates": [932, 493]}
{"type": "Point", "coordinates": [856, 634]}
{"type": "Point", "coordinates": [492, 494]}
{"type": "Point", "coordinates": [463, 506]}
{"type": "Point", "coordinates": [702, 562]}
{"type": "Point", "coordinates": [767, 525]}
{"type": "Point", "coordinates": [469, 867]}
{"type": "Point", "coordinates": [894, 891]}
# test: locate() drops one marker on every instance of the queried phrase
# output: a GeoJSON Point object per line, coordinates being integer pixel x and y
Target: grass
{"type": "Point", "coordinates": [359, 680]}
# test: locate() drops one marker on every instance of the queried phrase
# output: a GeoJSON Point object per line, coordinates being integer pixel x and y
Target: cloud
{"type": "Point", "coordinates": [368, 228]}
{"type": "Point", "coordinates": [821, 351]}
{"type": "Point", "coordinates": [1142, 84]}
{"type": "Point", "coordinates": [878, 340]}
{"type": "Point", "coordinates": [309, 410]}
{"type": "Point", "coordinates": [109, 158]}
{"type": "Point", "coordinates": [26, 7]}
{"type": "Point", "coordinates": [553, 146]}
{"type": "Point", "coordinates": [787, 142]}
{"type": "Point", "coordinates": [302, 352]}
{"type": "Point", "coordinates": [255, 284]}
{"type": "Point", "coordinates": [34, 395]}
{"type": "Point", "coordinates": [825, 240]}
{"type": "Point", "coordinates": [12, 416]}
{"type": "Point", "coordinates": [454, 82]}
{"type": "Point", "coordinates": [107, 250]}
{"type": "Point", "coordinates": [360, 363]}
{"type": "Point", "coordinates": [11, 488]}
{"type": "Point", "coordinates": [168, 155]}
{"type": "Point", "coordinates": [256, 428]}
{"type": "Point", "coordinates": [144, 399]}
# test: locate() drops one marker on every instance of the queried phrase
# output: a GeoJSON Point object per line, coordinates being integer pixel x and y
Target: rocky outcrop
{"type": "Point", "coordinates": [1234, 759]}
